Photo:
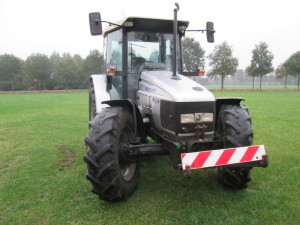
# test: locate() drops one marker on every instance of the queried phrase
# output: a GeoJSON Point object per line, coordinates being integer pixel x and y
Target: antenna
{"type": "Point", "coordinates": [123, 14]}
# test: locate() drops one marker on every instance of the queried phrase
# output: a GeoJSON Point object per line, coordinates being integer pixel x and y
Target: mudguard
{"type": "Point", "coordinates": [138, 119]}
{"type": "Point", "coordinates": [99, 82]}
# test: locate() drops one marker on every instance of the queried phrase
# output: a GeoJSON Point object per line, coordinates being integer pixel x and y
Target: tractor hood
{"type": "Point", "coordinates": [177, 89]}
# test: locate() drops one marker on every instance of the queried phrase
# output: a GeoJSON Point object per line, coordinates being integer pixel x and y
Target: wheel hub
{"type": "Point", "coordinates": [126, 162]}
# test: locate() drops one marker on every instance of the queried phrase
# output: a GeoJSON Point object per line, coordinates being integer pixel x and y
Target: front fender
{"type": "Point", "coordinates": [99, 83]}
{"type": "Point", "coordinates": [139, 128]}
{"type": "Point", "coordinates": [227, 101]}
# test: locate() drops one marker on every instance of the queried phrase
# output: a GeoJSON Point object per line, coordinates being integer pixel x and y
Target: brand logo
{"type": "Point", "coordinates": [149, 89]}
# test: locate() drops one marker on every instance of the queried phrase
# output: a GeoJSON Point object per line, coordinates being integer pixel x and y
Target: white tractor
{"type": "Point", "coordinates": [145, 95]}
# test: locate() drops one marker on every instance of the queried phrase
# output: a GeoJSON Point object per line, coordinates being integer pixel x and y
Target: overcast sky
{"type": "Point", "coordinates": [44, 26]}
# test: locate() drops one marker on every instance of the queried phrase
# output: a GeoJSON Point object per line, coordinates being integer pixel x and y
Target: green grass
{"type": "Point", "coordinates": [256, 87]}
{"type": "Point", "coordinates": [42, 173]}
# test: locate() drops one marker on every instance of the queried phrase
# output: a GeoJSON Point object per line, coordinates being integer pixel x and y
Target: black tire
{"type": "Point", "coordinates": [234, 126]}
{"type": "Point", "coordinates": [111, 179]}
{"type": "Point", "coordinates": [92, 103]}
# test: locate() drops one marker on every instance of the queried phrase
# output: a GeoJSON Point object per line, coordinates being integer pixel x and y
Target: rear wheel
{"type": "Point", "coordinates": [234, 126]}
{"type": "Point", "coordinates": [112, 179]}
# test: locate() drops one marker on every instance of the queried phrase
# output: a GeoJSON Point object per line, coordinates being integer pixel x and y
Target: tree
{"type": "Point", "coordinates": [222, 62]}
{"type": "Point", "coordinates": [261, 62]}
{"type": "Point", "coordinates": [10, 68]}
{"type": "Point", "coordinates": [192, 54]}
{"type": "Point", "coordinates": [93, 63]}
{"type": "Point", "coordinates": [81, 81]}
{"type": "Point", "coordinates": [293, 66]}
{"type": "Point", "coordinates": [39, 67]}
{"type": "Point", "coordinates": [55, 57]}
{"type": "Point", "coordinates": [250, 73]}
{"type": "Point", "coordinates": [78, 59]}
{"type": "Point", "coordinates": [67, 69]}
{"type": "Point", "coordinates": [281, 72]}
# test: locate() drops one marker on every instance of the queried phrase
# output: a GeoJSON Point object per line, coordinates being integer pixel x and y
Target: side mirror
{"type": "Point", "coordinates": [210, 32]}
{"type": "Point", "coordinates": [95, 23]}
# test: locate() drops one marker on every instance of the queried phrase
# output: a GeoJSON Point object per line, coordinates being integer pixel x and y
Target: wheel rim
{"type": "Point", "coordinates": [127, 169]}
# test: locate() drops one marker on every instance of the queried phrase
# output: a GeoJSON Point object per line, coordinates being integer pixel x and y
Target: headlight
{"type": "Point", "coordinates": [187, 118]}
{"type": "Point", "coordinates": [204, 117]}
{"type": "Point", "coordinates": [196, 117]}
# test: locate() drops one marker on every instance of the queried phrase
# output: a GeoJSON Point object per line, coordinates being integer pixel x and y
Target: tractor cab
{"type": "Point", "coordinates": [134, 45]}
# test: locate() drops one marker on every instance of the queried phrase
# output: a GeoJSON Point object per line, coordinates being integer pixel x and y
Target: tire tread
{"type": "Point", "coordinates": [102, 155]}
{"type": "Point", "coordinates": [236, 129]}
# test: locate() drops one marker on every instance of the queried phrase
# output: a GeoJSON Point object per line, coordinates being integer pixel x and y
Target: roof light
{"type": "Point", "coordinates": [182, 28]}
{"type": "Point", "coordinates": [128, 24]}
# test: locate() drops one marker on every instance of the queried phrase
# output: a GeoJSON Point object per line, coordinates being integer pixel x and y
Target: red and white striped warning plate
{"type": "Point", "coordinates": [205, 159]}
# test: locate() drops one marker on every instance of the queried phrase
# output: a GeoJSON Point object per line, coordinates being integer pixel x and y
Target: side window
{"type": "Point", "coordinates": [114, 49]}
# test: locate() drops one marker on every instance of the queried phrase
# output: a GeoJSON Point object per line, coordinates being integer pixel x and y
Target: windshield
{"type": "Point", "coordinates": [149, 50]}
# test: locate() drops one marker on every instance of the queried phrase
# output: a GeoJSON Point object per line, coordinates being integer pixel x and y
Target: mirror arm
{"type": "Point", "coordinates": [110, 23]}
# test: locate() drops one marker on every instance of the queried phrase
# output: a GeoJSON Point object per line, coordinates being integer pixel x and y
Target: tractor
{"type": "Point", "coordinates": [146, 104]}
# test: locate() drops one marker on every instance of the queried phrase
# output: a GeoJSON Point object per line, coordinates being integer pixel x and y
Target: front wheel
{"type": "Point", "coordinates": [112, 179]}
{"type": "Point", "coordinates": [234, 126]}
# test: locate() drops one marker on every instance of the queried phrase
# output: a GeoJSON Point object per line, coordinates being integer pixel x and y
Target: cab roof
{"type": "Point", "coordinates": [145, 24]}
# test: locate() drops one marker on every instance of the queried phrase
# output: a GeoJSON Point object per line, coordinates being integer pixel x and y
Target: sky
{"type": "Point", "coordinates": [44, 26]}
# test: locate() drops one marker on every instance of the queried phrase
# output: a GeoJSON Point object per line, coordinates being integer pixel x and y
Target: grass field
{"type": "Point", "coordinates": [42, 173]}
{"type": "Point", "coordinates": [256, 87]}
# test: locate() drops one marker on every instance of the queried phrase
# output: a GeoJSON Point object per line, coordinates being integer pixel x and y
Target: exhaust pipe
{"type": "Point", "coordinates": [175, 23]}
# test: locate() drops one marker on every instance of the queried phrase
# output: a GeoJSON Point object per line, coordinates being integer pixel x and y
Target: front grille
{"type": "Point", "coordinates": [170, 115]}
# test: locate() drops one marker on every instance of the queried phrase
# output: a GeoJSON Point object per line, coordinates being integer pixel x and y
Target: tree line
{"type": "Point", "coordinates": [72, 72]}
{"type": "Point", "coordinates": [52, 73]}
{"type": "Point", "coordinates": [224, 64]}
